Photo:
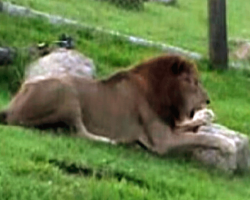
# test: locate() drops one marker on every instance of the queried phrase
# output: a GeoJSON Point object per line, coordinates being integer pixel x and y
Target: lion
{"type": "Point", "coordinates": [151, 104]}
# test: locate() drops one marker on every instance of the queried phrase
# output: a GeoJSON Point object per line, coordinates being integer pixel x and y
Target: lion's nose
{"type": "Point", "coordinates": [208, 101]}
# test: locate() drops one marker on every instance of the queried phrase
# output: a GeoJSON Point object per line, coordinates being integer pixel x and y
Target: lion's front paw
{"type": "Point", "coordinates": [224, 144]}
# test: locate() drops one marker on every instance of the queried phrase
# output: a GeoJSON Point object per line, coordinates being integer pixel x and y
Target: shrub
{"type": "Point", "coordinates": [12, 75]}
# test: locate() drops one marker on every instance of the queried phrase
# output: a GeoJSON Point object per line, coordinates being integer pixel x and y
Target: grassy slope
{"type": "Point", "coordinates": [172, 25]}
{"type": "Point", "coordinates": [25, 172]}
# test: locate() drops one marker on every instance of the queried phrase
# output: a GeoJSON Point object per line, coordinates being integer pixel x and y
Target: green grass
{"type": "Point", "coordinates": [184, 25]}
{"type": "Point", "coordinates": [25, 171]}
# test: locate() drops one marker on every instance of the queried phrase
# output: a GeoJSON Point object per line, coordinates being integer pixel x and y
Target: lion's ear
{"type": "Point", "coordinates": [178, 68]}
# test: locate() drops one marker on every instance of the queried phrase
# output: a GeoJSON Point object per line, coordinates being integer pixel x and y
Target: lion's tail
{"type": "Point", "coordinates": [3, 116]}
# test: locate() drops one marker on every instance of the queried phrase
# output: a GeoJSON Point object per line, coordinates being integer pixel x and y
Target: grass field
{"type": "Point", "coordinates": [108, 172]}
{"type": "Point", "coordinates": [171, 25]}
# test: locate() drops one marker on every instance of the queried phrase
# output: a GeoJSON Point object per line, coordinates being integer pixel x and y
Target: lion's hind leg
{"type": "Point", "coordinates": [81, 131]}
{"type": "Point", "coordinates": [35, 105]}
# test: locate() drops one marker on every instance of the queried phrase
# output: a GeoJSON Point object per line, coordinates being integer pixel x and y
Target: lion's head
{"type": "Point", "coordinates": [171, 85]}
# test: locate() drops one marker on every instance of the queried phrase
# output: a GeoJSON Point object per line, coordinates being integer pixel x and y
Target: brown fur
{"type": "Point", "coordinates": [145, 104]}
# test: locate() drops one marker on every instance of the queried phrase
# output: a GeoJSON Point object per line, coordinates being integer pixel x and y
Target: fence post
{"type": "Point", "coordinates": [218, 50]}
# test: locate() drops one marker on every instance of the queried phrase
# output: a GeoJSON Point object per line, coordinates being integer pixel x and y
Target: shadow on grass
{"type": "Point", "coordinates": [86, 171]}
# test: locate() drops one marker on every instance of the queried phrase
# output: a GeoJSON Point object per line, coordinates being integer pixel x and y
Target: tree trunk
{"type": "Point", "coordinates": [218, 51]}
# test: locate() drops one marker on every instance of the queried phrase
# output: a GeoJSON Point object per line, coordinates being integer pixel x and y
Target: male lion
{"type": "Point", "coordinates": [147, 104]}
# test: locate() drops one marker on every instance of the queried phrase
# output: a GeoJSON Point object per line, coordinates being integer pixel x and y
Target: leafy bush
{"type": "Point", "coordinates": [12, 75]}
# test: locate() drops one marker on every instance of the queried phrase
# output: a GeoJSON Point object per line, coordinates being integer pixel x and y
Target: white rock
{"type": "Point", "coordinates": [59, 62]}
{"type": "Point", "coordinates": [237, 156]}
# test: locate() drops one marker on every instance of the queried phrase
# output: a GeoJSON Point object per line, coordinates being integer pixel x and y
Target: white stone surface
{"type": "Point", "coordinates": [59, 62]}
{"type": "Point", "coordinates": [237, 158]}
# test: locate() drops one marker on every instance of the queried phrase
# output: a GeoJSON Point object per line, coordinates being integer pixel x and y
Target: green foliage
{"type": "Point", "coordinates": [184, 25]}
{"type": "Point", "coordinates": [13, 75]}
{"type": "Point", "coordinates": [87, 41]}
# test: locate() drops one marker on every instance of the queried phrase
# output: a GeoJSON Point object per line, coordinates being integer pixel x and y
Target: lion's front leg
{"type": "Point", "coordinates": [164, 139]}
{"type": "Point", "coordinates": [188, 141]}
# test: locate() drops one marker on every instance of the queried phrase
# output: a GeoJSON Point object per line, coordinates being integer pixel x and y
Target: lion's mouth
{"type": "Point", "coordinates": [193, 111]}
{"type": "Point", "coordinates": [192, 114]}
